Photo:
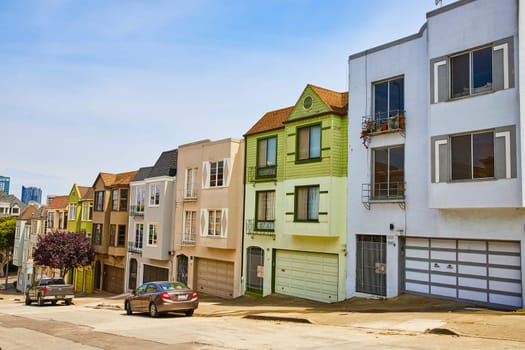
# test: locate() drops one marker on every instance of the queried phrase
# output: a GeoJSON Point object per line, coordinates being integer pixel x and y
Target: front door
{"type": "Point", "coordinates": [255, 270]}
{"type": "Point", "coordinates": [182, 269]}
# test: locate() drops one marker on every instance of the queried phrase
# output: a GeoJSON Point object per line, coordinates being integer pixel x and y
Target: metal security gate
{"type": "Point", "coordinates": [371, 264]}
{"type": "Point", "coordinates": [255, 270]}
{"type": "Point", "coordinates": [486, 272]}
{"type": "Point", "coordinates": [182, 269]}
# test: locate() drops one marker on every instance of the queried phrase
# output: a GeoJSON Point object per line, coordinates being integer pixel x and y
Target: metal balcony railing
{"type": "Point", "coordinates": [136, 210]}
{"type": "Point", "coordinates": [382, 192]}
{"type": "Point", "coordinates": [135, 247]}
{"type": "Point", "coordinates": [382, 122]}
{"type": "Point", "coordinates": [261, 173]}
{"type": "Point", "coordinates": [189, 239]}
{"type": "Point", "coordinates": [190, 195]}
{"type": "Point", "coordinates": [263, 228]}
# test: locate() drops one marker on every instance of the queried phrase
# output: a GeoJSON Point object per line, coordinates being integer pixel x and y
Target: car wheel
{"type": "Point", "coordinates": [128, 308]}
{"type": "Point", "coordinates": [153, 310]}
{"type": "Point", "coordinates": [54, 302]}
{"type": "Point", "coordinates": [28, 301]}
{"type": "Point", "coordinates": [189, 313]}
{"type": "Point", "coordinates": [40, 301]}
{"type": "Point", "coordinates": [68, 301]}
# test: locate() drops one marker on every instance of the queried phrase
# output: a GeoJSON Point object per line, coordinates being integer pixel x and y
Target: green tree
{"type": "Point", "coordinates": [7, 239]}
{"type": "Point", "coordinates": [63, 250]}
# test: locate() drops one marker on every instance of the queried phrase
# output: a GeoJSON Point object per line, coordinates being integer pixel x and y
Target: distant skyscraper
{"type": "Point", "coordinates": [33, 194]}
{"type": "Point", "coordinates": [4, 184]}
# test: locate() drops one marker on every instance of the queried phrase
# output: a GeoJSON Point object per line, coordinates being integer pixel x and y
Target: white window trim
{"type": "Point", "coordinates": [148, 237]}
{"type": "Point", "coordinates": [157, 186]}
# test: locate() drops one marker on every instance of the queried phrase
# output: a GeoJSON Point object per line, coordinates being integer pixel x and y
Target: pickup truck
{"type": "Point", "coordinates": [50, 290]}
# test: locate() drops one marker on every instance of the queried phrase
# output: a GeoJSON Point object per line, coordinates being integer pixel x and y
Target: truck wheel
{"type": "Point", "coordinates": [40, 301]}
{"type": "Point", "coordinates": [28, 301]}
{"type": "Point", "coordinates": [128, 308]}
{"type": "Point", "coordinates": [153, 310]}
{"type": "Point", "coordinates": [68, 301]}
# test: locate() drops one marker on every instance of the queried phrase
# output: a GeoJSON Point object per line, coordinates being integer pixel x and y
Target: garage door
{"type": "Point", "coordinates": [214, 277]}
{"type": "Point", "coordinates": [486, 272]}
{"type": "Point", "coordinates": [113, 279]}
{"type": "Point", "coordinates": [154, 273]}
{"type": "Point", "coordinates": [307, 275]}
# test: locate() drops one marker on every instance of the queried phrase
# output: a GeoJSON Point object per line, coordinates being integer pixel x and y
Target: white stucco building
{"type": "Point", "coordinates": [436, 202]}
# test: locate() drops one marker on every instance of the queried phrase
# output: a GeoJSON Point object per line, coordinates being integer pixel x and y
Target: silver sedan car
{"type": "Point", "coordinates": [162, 297]}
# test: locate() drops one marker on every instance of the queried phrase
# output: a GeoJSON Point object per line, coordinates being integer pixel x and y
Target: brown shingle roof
{"type": "Point", "coordinates": [271, 121]}
{"type": "Point", "coordinates": [88, 195]}
{"type": "Point", "coordinates": [83, 190]}
{"type": "Point", "coordinates": [117, 179]}
{"type": "Point", "coordinates": [26, 214]}
{"type": "Point", "coordinates": [337, 101]}
{"type": "Point", "coordinates": [59, 202]}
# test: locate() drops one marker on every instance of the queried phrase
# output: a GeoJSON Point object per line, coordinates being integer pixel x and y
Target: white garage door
{"type": "Point", "coordinates": [214, 277]}
{"type": "Point", "coordinates": [487, 272]}
{"type": "Point", "coordinates": [307, 275]}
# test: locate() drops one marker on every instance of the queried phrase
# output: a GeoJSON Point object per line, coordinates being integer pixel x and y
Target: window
{"type": "Point", "coordinates": [309, 143]}
{"type": "Point", "coordinates": [154, 195]}
{"type": "Point", "coordinates": [389, 100]}
{"type": "Point", "coordinates": [216, 173]}
{"type": "Point", "coordinates": [307, 203]}
{"type": "Point", "coordinates": [265, 210]}
{"type": "Point", "coordinates": [15, 210]}
{"type": "Point", "coordinates": [87, 211]}
{"type": "Point", "coordinates": [121, 238]}
{"type": "Point", "coordinates": [189, 226]}
{"type": "Point", "coordinates": [140, 199]}
{"type": "Point", "coordinates": [266, 157]}
{"type": "Point", "coordinates": [388, 173]}
{"type": "Point", "coordinates": [189, 190]}
{"type": "Point", "coordinates": [99, 201]}
{"type": "Point", "coordinates": [72, 212]}
{"type": "Point", "coordinates": [112, 234]}
{"type": "Point", "coordinates": [123, 204]}
{"type": "Point", "coordinates": [114, 200]}
{"type": "Point", "coordinates": [139, 235]}
{"type": "Point", "coordinates": [472, 156]}
{"type": "Point", "coordinates": [214, 222]}
{"type": "Point", "coordinates": [471, 72]}
{"type": "Point", "coordinates": [153, 231]}
{"type": "Point", "coordinates": [97, 234]}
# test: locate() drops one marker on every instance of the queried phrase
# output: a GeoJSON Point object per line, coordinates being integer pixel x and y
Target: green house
{"type": "Point", "coordinates": [80, 213]}
{"type": "Point", "coordinates": [295, 199]}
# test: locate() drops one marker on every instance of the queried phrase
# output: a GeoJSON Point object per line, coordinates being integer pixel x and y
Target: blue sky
{"type": "Point", "coordinates": [91, 86]}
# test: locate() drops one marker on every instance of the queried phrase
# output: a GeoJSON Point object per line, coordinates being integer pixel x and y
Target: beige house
{"type": "Point", "coordinates": [208, 216]}
{"type": "Point", "coordinates": [110, 229]}
{"type": "Point", "coordinates": [57, 214]}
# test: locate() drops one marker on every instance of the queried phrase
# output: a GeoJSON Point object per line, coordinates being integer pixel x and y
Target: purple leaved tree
{"type": "Point", "coordinates": [63, 250]}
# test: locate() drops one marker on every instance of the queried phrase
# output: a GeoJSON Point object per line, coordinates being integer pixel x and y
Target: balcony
{"type": "Point", "coordinates": [383, 192]}
{"type": "Point", "coordinates": [190, 195]}
{"type": "Point", "coordinates": [136, 210]}
{"type": "Point", "coordinates": [135, 247]}
{"type": "Point", "coordinates": [383, 122]}
{"type": "Point", "coordinates": [260, 228]}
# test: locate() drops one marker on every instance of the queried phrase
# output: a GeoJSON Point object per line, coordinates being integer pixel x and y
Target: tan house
{"type": "Point", "coordinates": [208, 216]}
{"type": "Point", "coordinates": [110, 229]}
{"type": "Point", "coordinates": [57, 214]}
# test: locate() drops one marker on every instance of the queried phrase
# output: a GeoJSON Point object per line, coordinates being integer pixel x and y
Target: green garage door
{"type": "Point", "coordinates": [307, 275]}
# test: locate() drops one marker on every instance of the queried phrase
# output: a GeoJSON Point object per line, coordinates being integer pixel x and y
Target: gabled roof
{"type": "Point", "coordinates": [40, 213]}
{"type": "Point", "coordinates": [12, 200]}
{"type": "Point", "coordinates": [59, 202]}
{"type": "Point", "coordinates": [28, 213]}
{"type": "Point", "coordinates": [116, 179]}
{"type": "Point", "coordinates": [337, 101]}
{"type": "Point", "coordinates": [83, 190]}
{"type": "Point", "coordinates": [88, 195]}
{"type": "Point", "coordinates": [271, 121]}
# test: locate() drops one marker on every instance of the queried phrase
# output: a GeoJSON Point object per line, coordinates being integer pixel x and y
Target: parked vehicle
{"type": "Point", "coordinates": [50, 290]}
{"type": "Point", "coordinates": [162, 297]}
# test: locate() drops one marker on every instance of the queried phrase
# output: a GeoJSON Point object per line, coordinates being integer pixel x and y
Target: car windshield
{"type": "Point", "coordinates": [172, 286]}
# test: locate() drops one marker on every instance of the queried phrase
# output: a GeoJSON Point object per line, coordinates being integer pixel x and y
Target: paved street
{"type": "Point", "coordinates": [100, 323]}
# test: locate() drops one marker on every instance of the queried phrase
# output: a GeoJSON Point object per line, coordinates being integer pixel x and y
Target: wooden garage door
{"type": "Point", "coordinates": [154, 273]}
{"type": "Point", "coordinates": [307, 275]}
{"type": "Point", "coordinates": [113, 279]}
{"type": "Point", "coordinates": [486, 272]}
{"type": "Point", "coordinates": [214, 277]}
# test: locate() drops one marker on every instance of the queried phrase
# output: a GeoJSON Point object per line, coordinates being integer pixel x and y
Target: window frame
{"type": "Point", "coordinates": [217, 223]}
{"type": "Point", "coordinates": [190, 190]}
{"type": "Point", "coordinates": [389, 183]}
{"type": "Point", "coordinates": [72, 212]}
{"type": "Point", "coordinates": [217, 179]}
{"type": "Point", "coordinates": [309, 157]}
{"type": "Point", "coordinates": [389, 113]}
{"type": "Point", "coordinates": [189, 232]}
{"type": "Point", "coordinates": [154, 195]}
{"type": "Point", "coordinates": [269, 213]}
{"type": "Point", "coordinates": [471, 73]}
{"type": "Point", "coordinates": [308, 204]}
{"type": "Point", "coordinates": [99, 201]}
{"type": "Point", "coordinates": [139, 235]}
{"type": "Point", "coordinates": [153, 236]}
{"type": "Point", "coordinates": [268, 170]}
{"type": "Point", "coordinates": [97, 234]}
{"type": "Point", "coordinates": [471, 154]}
